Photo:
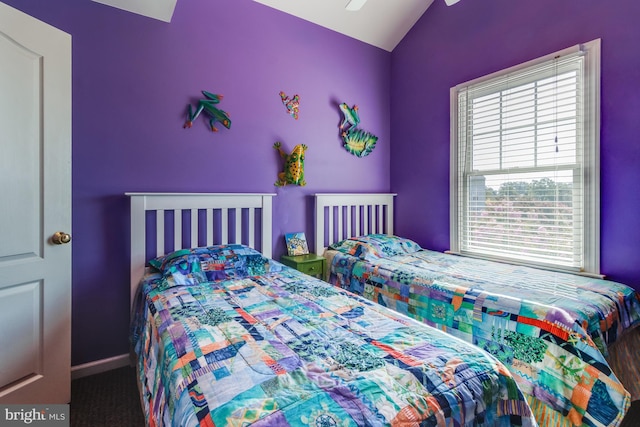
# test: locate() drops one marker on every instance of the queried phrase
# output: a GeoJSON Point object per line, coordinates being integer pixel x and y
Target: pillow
{"type": "Point", "coordinates": [213, 263]}
{"type": "Point", "coordinates": [179, 268]}
{"type": "Point", "coordinates": [376, 246]}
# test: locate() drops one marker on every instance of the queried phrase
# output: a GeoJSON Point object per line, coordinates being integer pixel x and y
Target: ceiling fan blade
{"type": "Point", "coordinates": [355, 4]}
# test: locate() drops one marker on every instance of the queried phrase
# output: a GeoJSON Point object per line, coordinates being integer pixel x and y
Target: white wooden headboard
{"type": "Point", "coordinates": [203, 216]}
{"type": "Point", "coordinates": [340, 216]}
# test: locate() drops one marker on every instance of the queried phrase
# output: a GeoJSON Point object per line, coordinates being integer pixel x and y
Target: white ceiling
{"type": "Point", "coordinates": [157, 9]}
{"type": "Point", "coordinates": [381, 23]}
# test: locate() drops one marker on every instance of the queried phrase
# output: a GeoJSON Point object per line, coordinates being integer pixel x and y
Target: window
{"type": "Point", "coordinates": [524, 163]}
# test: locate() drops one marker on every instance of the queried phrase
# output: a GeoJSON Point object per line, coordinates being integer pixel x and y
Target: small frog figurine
{"type": "Point", "coordinates": [293, 166]}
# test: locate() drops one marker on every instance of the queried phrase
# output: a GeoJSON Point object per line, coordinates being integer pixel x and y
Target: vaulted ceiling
{"type": "Point", "coordinates": [381, 23]}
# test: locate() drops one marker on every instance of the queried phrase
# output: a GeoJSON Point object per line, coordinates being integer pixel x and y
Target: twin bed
{"type": "Point", "coordinates": [568, 340]}
{"type": "Point", "coordinates": [224, 335]}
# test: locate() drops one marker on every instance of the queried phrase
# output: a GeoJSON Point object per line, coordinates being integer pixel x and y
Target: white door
{"type": "Point", "coordinates": [35, 202]}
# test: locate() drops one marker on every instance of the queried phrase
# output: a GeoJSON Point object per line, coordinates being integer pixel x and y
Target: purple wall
{"type": "Point", "coordinates": [451, 45]}
{"type": "Point", "coordinates": [132, 80]}
{"type": "Point", "coordinates": [133, 77]}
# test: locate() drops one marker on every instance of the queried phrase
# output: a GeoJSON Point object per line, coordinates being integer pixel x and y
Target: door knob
{"type": "Point", "coordinates": [60, 238]}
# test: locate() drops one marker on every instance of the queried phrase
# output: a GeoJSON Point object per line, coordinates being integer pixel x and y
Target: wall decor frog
{"type": "Point", "coordinates": [293, 166]}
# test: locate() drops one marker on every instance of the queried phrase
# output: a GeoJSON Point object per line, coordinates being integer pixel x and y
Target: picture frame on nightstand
{"type": "Point", "coordinates": [296, 244]}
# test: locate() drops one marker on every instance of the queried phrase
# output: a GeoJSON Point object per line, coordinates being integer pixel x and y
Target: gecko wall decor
{"type": "Point", "coordinates": [208, 105]}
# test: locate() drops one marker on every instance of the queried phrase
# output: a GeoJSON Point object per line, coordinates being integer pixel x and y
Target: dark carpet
{"type": "Point", "coordinates": [111, 399]}
{"type": "Point", "coordinates": [106, 399]}
{"type": "Point", "coordinates": [632, 419]}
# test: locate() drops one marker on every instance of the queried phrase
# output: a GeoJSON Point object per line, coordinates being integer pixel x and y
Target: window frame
{"type": "Point", "coordinates": [591, 52]}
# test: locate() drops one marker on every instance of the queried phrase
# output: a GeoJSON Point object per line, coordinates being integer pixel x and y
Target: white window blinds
{"type": "Point", "coordinates": [524, 158]}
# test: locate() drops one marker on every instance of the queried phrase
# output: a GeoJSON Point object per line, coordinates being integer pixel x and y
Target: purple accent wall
{"type": "Point", "coordinates": [132, 80]}
{"type": "Point", "coordinates": [451, 45]}
{"type": "Point", "coordinates": [133, 77]}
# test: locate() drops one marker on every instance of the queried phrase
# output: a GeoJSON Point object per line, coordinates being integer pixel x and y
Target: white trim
{"type": "Point", "coordinates": [99, 366]}
{"type": "Point", "coordinates": [592, 158]}
{"type": "Point", "coordinates": [453, 171]}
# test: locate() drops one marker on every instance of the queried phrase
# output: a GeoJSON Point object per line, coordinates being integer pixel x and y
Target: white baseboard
{"type": "Point", "coordinates": [99, 366]}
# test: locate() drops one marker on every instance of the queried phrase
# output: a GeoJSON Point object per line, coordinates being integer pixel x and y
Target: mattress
{"type": "Point", "coordinates": [223, 336]}
{"type": "Point", "coordinates": [553, 331]}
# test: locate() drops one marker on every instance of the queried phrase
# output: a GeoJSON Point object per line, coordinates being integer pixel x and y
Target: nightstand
{"type": "Point", "coordinates": [310, 264]}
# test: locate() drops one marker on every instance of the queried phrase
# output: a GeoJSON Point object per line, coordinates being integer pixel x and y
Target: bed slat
{"type": "Point", "coordinates": [159, 232]}
{"type": "Point", "coordinates": [210, 227]}
{"type": "Point", "coordinates": [252, 221]}
{"type": "Point", "coordinates": [194, 227]}
{"type": "Point", "coordinates": [365, 220]}
{"type": "Point", "coordinates": [177, 229]}
{"type": "Point", "coordinates": [224, 233]}
{"type": "Point", "coordinates": [237, 238]}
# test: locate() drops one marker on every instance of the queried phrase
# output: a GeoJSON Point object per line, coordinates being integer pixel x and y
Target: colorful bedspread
{"type": "Point", "coordinates": [285, 349]}
{"type": "Point", "coordinates": [550, 329]}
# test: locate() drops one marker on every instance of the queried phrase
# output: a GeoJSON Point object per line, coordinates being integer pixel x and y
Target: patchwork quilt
{"type": "Point", "coordinates": [551, 330]}
{"type": "Point", "coordinates": [281, 348]}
